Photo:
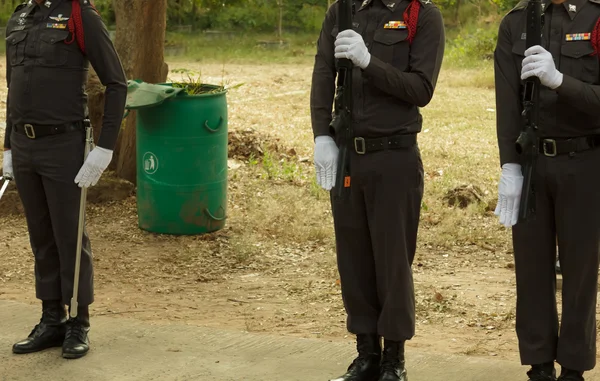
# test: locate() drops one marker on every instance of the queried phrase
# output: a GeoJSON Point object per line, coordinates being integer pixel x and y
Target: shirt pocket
{"type": "Point", "coordinates": [391, 46]}
{"type": "Point", "coordinates": [577, 61]}
{"type": "Point", "coordinates": [15, 44]}
{"type": "Point", "coordinates": [53, 50]}
{"type": "Point", "coordinates": [518, 51]}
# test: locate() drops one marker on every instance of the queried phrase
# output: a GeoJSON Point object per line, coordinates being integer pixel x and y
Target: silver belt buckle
{"type": "Point", "coordinates": [29, 131]}
{"type": "Point", "coordinates": [552, 144]}
{"type": "Point", "coordinates": [363, 150]}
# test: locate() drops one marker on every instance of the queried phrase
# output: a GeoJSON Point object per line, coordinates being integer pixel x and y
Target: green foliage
{"type": "Point", "coordinates": [192, 83]}
{"type": "Point", "coordinates": [471, 45]}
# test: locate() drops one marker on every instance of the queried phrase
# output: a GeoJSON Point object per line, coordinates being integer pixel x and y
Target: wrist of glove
{"type": "Point", "coordinates": [325, 158]}
{"type": "Point", "coordinates": [509, 194]}
{"type": "Point", "coordinates": [350, 45]}
{"type": "Point", "coordinates": [538, 62]}
{"type": "Point", "coordinates": [7, 165]}
{"type": "Point", "coordinates": [93, 167]}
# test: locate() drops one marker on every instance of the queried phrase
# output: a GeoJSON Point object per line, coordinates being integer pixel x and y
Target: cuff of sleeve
{"type": "Point", "coordinates": [509, 155]}
{"type": "Point", "coordinates": [570, 87]}
{"type": "Point", "coordinates": [106, 142]}
{"type": "Point", "coordinates": [321, 130]}
{"type": "Point", "coordinates": [376, 68]}
{"type": "Point", "coordinates": [7, 132]}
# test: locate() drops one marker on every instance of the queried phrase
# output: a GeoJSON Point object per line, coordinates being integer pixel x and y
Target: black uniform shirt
{"type": "Point", "coordinates": [400, 77]}
{"type": "Point", "coordinates": [47, 77]}
{"type": "Point", "coordinates": [571, 110]}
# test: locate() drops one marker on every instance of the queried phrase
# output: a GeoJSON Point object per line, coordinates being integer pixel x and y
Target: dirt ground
{"type": "Point", "coordinates": [272, 268]}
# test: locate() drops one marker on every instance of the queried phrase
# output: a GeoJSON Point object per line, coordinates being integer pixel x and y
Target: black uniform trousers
{"type": "Point", "coordinates": [45, 169]}
{"type": "Point", "coordinates": [568, 208]}
{"type": "Point", "coordinates": [376, 234]}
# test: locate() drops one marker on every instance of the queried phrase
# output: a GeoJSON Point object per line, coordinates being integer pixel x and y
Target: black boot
{"type": "Point", "coordinates": [542, 372]}
{"type": "Point", "coordinates": [77, 343]}
{"type": "Point", "coordinates": [570, 375]}
{"type": "Point", "coordinates": [49, 333]}
{"type": "Point", "coordinates": [366, 366]}
{"type": "Point", "coordinates": [392, 364]}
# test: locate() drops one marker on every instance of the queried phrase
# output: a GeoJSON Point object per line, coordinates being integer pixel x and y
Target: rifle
{"type": "Point", "coordinates": [527, 143]}
{"type": "Point", "coordinates": [341, 123]}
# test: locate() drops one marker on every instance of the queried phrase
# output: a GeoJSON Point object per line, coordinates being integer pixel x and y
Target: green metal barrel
{"type": "Point", "coordinates": [182, 163]}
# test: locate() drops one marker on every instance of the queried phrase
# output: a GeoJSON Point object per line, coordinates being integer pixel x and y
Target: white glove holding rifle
{"type": "Point", "coordinates": [350, 45]}
{"type": "Point", "coordinates": [326, 158]}
{"type": "Point", "coordinates": [539, 62]}
{"type": "Point", "coordinates": [509, 194]}
{"type": "Point", "coordinates": [7, 166]}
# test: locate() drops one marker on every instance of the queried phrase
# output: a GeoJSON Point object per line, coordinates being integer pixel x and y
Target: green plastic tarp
{"type": "Point", "coordinates": [141, 94]}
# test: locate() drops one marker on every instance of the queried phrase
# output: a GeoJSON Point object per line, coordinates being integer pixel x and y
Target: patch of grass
{"type": "Point", "coordinates": [482, 77]}
{"type": "Point", "coordinates": [244, 251]}
{"type": "Point", "coordinates": [275, 167]}
{"type": "Point", "coordinates": [281, 212]}
{"type": "Point", "coordinates": [243, 48]}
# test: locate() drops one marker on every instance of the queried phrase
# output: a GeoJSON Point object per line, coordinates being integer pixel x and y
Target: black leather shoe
{"type": "Point", "coordinates": [77, 343]}
{"type": "Point", "coordinates": [366, 366]}
{"type": "Point", "coordinates": [392, 364]}
{"type": "Point", "coordinates": [542, 372]}
{"type": "Point", "coordinates": [570, 375]}
{"type": "Point", "coordinates": [49, 333]}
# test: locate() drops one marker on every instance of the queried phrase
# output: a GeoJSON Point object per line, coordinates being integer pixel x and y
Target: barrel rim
{"type": "Point", "coordinates": [222, 91]}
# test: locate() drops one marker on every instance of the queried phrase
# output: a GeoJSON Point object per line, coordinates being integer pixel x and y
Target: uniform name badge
{"type": "Point", "coordinates": [579, 37]}
{"type": "Point", "coordinates": [395, 25]}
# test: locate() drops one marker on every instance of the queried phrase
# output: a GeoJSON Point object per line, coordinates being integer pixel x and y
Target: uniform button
{"type": "Point", "coordinates": [52, 40]}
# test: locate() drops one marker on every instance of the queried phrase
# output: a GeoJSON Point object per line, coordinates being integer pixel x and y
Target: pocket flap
{"type": "Point", "coordinates": [390, 36]}
{"type": "Point", "coordinates": [519, 48]}
{"type": "Point", "coordinates": [577, 49]}
{"type": "Point", "coordinates": [16, 37]}
{"type": "Point", "coordinates": [54, 36]}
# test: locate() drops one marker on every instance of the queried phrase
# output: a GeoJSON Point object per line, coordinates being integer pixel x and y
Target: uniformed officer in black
{"type": "Point", "coordinates": [397, 48]}
{"type": "Point", "coordinates": [44, 147]}
{"type": "Point", "coordinates": [567, 184]}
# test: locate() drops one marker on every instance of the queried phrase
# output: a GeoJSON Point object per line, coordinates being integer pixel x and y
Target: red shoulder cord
{"type": "Point", "coordinates": [75, 25]}
{"type": "Point", "coordinates": [596, 38]}
{"type": "Point", "coordinates": [411, 17]}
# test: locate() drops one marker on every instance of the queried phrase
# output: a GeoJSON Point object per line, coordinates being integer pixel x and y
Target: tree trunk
{"type": "Point", "coordinates": [140, 42]}
{"type": "Point", "coordinates": [280, 21]}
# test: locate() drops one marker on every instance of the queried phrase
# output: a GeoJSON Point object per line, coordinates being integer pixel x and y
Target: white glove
{"type": "Point", "coordinates": [538, 62]}
{"type": "Point", "coordinates": [96, 162]}
{"type": "Point", "coordinates": [326, 157]}
{"type": "Point", "coordinates": [7, 166]}
{"type": "Point", "coordinates": [350, 45]}
{"type": "Point", "coordinates": [509, 194]}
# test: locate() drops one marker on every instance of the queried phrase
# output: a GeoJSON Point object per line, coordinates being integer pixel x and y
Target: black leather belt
{"type": "Point", "coordinates": [367, 145]}
{"type": "Point", "coordinates": [39, 131]}
{"type": "Point", "coordinates": [554, 147]}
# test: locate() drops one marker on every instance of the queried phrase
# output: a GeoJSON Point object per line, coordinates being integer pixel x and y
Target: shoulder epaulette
{"type": "Point", "coordinates": [87, 4]}
{"type": "Point", "coordinates": [427, 3]}
{"type": "Point", "coordinates": [19, 7]}
{"type": "Point", "coordinates": [520, 6]}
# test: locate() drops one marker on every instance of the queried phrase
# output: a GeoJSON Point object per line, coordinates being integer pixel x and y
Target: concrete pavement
{"type": "Point", "coordinates": [125, 349]}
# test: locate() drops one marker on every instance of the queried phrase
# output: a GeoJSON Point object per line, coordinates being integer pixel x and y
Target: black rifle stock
{"type": "Point", "coordinates": [341, 123]}
{"type": "Point", "coordinates": [527, 143]}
